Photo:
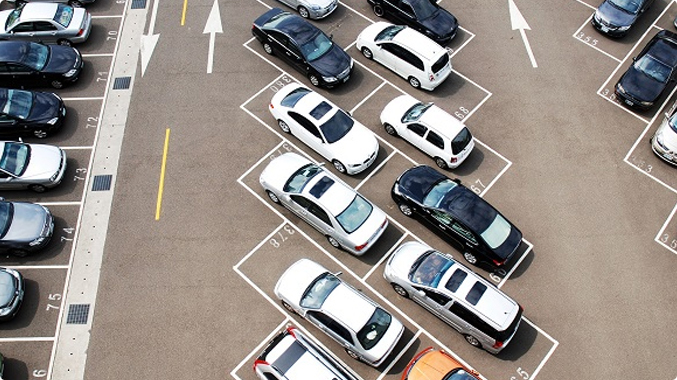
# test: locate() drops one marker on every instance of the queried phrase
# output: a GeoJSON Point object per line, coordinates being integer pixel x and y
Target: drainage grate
{"type": "Point", "coordinates": [138, 4]}
{"type": "Point", "coordinates": [122, 83]}
{"type": "Point", "coordinates": [102, 182]}
{"type": "Point", "coordinates": [77, 314]}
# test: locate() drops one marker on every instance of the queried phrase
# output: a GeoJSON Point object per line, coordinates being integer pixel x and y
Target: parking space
{"type": "Point", "coordinates": [27, 359]}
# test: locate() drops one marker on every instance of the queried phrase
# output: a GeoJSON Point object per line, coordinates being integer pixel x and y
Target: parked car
{"type": "Point", "coordinates": [292, 355]}
{"type": "Point", "coordinates": [431, 364]}
{"type": "Point", "coordinates": [460, 215]}
{"type": "Point", "coordinates": [430, 129]}
{"type": "Point", "coordinates": [37, 167]}
{"type": "Point", "coordinates": [313, 9]}
{"type": "Point", "coordinates": [30, 113]}
{"type": "Point", "coordinates": [408, 53]}
{"type": "Point", "coordinates": [615, 17]}
{"type": "Point", "coordinates": [664, 141]}
{"type": "Point", "coordinates": [651, 73]}
{"type": "Point", "coordinates": [328, 130]}
{"type": "Point", "coordinates": [482, 313]}
{"type": "Point", "coordinates": [346, 218]}
{"type": "Point", "coordinates": [24, 227]}
{"type": "Point", "coordinates": [305, 47]}
{"type": "Point", "coordinates": [367, 331]}
{"type": "Point", "coordinates": [424, 16]}
{"type": "Point", "coordinates": [11, 296]}
{"type": "Point", "coordinates": [24, 63]}
{"type": "Point", "coordinates": [74, 3]}
{"type": "Point", "coordinates": [46, 22]}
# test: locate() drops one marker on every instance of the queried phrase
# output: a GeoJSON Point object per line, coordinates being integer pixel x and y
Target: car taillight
{"type": "Point", "coordinates": [271, 106]}
{"type": "Point", "coordinates": [81, 32]}
{"type": "Point", "coordinates": [384, 223]}
{"type": "Point", "coordinates": [292, 331]}
{"type": "Point", "coordinates": [259, 362]}
{"type": "Point", "coordinates": [498, 263]}
{"type": "Point", "coordinates": [360, 247]}
{"type": "Point", "coordinates": [498, 344]}
{"type": "Point", "coordinates": [454, 159]}
{"type": "Point", "coordinates": [431, 77]}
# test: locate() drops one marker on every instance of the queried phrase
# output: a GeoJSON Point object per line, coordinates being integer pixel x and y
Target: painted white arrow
{"type": "Point", "coordinates": [149, 41]}
{"type": "Point", "coordinates": [212, 27]}
{"type": "Point", "coordinates": [518, 22]}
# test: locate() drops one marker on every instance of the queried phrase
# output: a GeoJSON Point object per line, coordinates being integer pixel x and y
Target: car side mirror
{"type": "Point", "coordinates": [634, 59]}
{"type": "Point", "coordinates": [458, 181]}
{"type": "Point", "coordinates": [331, 36]}
{"type": "Point", "coordinates": [420, 293]}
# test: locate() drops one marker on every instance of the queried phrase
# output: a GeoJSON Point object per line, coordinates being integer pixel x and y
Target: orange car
{"type": "Point", "coordinates": [431, 364]}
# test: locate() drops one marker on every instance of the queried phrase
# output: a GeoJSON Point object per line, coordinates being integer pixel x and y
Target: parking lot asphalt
{"type": "Point", "coordinates": [193, 247]}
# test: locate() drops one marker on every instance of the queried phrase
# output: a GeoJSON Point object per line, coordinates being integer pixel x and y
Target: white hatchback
{"type": "Point", "coordinates": [325, 128]}
{"type": "Point", "coordinates": [413, 56]}
{"type": "Point", "coordinates": [430, 129]}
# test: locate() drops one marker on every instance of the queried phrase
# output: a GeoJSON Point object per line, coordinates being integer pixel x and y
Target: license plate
{"type": "Point", "coordinates": [346, 79]}
{"type": "Point", "coordinates": [604, 28]}
{"type": "Point", "coordinates": [629, 103]}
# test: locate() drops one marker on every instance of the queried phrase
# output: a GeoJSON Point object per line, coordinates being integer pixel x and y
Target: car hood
{"type": "Point", "coordinates": [640, 86]}
{"type": "Point", "coordinates": [357, 146]}
{"type": "Point", "coordinates": [393, 111]}
{"type": "Point", "coordinates": [668, 136]}
{"type": "Point", "coordinates": [416, 182]}
{"type": "Point", "coordinates": [61, 59]}
{"type": "Point", "coordinates": [296, 279]}
{"type": "Point", "coordinates": [7, 288]}
{"type": "Point", "coordinates": [442, 23]}
{"type": "Point", "coordinates": [281, 168]}
{"type": "Point", "coordinates": [45, 161]}
{"type": "Point", "coordinates": [27, 223]}
{"type": "Point", "coordinates": [614, 16]}
{"type": "Point", "coordinates": [3, 20]}
{"type": "Point", "coordinates": [45, 107]}
{"type": "Point", "coordinates": [404, 257]}
{"type": "Point", "coordinates": [333, 62]}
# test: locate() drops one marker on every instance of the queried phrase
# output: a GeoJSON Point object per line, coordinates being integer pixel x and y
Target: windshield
{"type": "Point", "coordinates": [5, 217]}
{"type": "Point", "coordinates": [437, 193]}
{"type": "Point", "coordinates": [497, 232]}
{"type": "Point", "coordinates": [388, 33]}
{"type": "Point", "coordinates": [64, 14]}
{"type": "Point", "coordinates": [459, 374]}
{"type": "Point", "coordinates": [35, 55]}
{"type": "Point", "coordinates": [673, 123]}
{"type": "Point", "coordinates": [316, 47]}
{"type": "Point", "coordinates": [18, 104]}
{"type": "Point", "coordinates": [319, 290]}
{"type": "Point", "coordinates": [415, 112]}
{"type": "Point", "coordinates": [373, 331]}
{"type": "Point", "coordinates": [423, 9]}
{"type": "Point", "coordinates": [14, 158]}
{"type": "Point", "coordinates": [13, 17]}
{"type": "Point", "coordinates": [429, 268]}
{"type": "Point", "coordinates": [338, 126]}
{"type": "Point", "coordinates": [461, 140]}
{"type": "Point", "coordinates": [630, 6]}
{"type": "Point", "coordinates": [299, 179]}
{"type": "Point", "coordinates": [355, 214]}
{"type": "Point", "coordinates": [653, 68]}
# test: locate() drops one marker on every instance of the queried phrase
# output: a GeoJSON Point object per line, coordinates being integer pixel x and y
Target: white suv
{"type": "Point", "coordinates": [410, 54]}
{"type": "Point", "coordinates": [430, 129]}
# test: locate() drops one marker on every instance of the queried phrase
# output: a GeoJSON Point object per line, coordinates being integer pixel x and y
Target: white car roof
{"type": "Point", "coordinates": [348, 306]}
{"type": "Point", "coordinates": [442, 122]}
{"type": "Point", "coordinates": [38, 11]}
{"type": "Point", "coordinates": [336, 198]}
{"type": "Point", "coordinates": [309, 102]}
{"type": "Point", "coordinates": [419, 43]}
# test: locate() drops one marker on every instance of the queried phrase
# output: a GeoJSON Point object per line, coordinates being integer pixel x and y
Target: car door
{"type": "Point", "coordinates": [24, 75]}
{"type": "Point", "coordinates": [45, 31]}
{"type": "Point", "coordinates": [332, 328]}
{"type": "Point", "coordinates": [306, 131]}
{"type": "Point", "coordinates": [9, 182]}
{"type": "Point", "coordinates": [8, 126]}
{"type": "Point", "coordinates": [311, 213]}
{"type": "Point", "coordinates": [433, 145]}
{"type": "Point", "coordinates": [437, 304]}
{"type": "Point", "coordinates": [388, 56]}
{"type": "Point", "coordinates": [415, 134]}
{"type": "Point", "coordinates": [401, 12]}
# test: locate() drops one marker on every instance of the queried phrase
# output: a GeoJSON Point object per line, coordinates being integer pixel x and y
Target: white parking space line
{"type": "Point", "coordinates": [257, 349]}
{"type": "Point", "coordinates": [76, 147]}
{"type": "Point", "coordinates": [591, 42]}
{"type": "Point", "coordinates": [72, 203]}
{"type": "Point", "coordinates": [399, 355]}
{"type": "Point", "coordinates": [472, 35]}
{"type": "Point", "coordinates": [352, 111]}
{"type": "Point", "coordinates": [82, 98]}
{"type": "Point", "coordinates": [662, 238]}
{"type": "Point", "coordinates": [547, 356]}
{"type": "Point", "coordinates": [387, 254]}
{"type": "Point", "coordinates": [375, 170]}
{"type": "Point", "coordinates": [357, 13]}
{"type": "Point", "coordinates": [517, 264]}
{"type": "Point", "coordinates": [22, 267]}
{"type": "Point", "coordinates": [93, 55]}
{"type": "Point", "coordinates": [107, 16]}
{"type": "Point", "coordinates": [586, 4]}
{"type": "Point", "coordinates": [28, 339]}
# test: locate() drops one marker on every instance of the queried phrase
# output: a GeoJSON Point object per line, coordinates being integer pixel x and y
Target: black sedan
{"type": "Point", "coordinates": [24, 63]}
{"type": "Point", "coordinates": [30, 113]}
{"type": "Point", "coordinates": [615, 17]}
{"type": "Point", "coordinates": [303, 46]}
{"type": "Point", "coordinates": [652, 71]}
{"type": "Point", "coordinates": [423, 15]}
{"type": "Point", "coordinates": [462, 217]}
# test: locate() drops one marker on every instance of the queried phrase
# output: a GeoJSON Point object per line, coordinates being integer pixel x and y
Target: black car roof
{"type": "Point", "coordinates": [13, 51]}
{"type": "Point", "coordinates": [289, 24]}
{"type": "Point", "coordinates": [664, 47]}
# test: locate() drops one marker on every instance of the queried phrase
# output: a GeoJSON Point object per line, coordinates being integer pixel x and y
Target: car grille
{"type": "Point", "coordinates": [344, 73]}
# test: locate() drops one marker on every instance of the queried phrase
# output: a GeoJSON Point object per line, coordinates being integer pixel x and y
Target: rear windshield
{"type": "Point", "coordinates": [461, 140]}
{"type": "Point", "coordinates": [439, 65]}
{"type": "Point", "coordinates": [293, 97]}
{"type": "Point", "coordinates": [64, 14]}
{"type": "Point", "coordinates": [388, 33]}
{"type": "Point", "coordinates": [374, 330]}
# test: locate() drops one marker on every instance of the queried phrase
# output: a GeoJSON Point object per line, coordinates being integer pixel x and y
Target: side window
{"type": "Point", "coordinates": [332, 325]}
{"type": "Point", "coordinates": [301, 201]}
{"type": "Point", "coordinates": [16, 68]}
{"type": "Point", "coordinates": [437, 297]}
{"type": "Point", "coordinates": [269, 376]}
{"type": "Point", "coordinates": [417, 128]}
{"type": "Point", "coordinates": [388, 47]}
{"type": "Point", "coordinates": [44, 26]}
{"type": "Point", "coordinates": [406, 9]}
{"type": "Point", "coordinates": [442, 217]}
{"type": "Point", "coordinates": [306, 124]}
{"type": "Point", "coordinates": [435, 139]}
{"type": "Point", "coordinates": [472, 319]}
{"type": "Point", "coordinates": [319, 213]}
{"type": "Point", "coordinates": [23, 27]}
{"type": "Point", "coordinates": [464, 232]}
{"type": "Point", "coordinates": [412, 59]}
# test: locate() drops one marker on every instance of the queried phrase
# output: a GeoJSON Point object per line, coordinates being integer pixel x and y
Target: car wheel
{"type": "Point", "coordinates": [64, 42]}
{"type": "Point", "coordinates": [38, 188]}
{"type": "Point", "coordinates": [405, 209]}
{"type": "Point", "coordinates": [289, 308]}
{"type": "Point", "coordinates": [469, 257]}
{"type": "Point", "coordinates": [378, 10]}
{"type": "Point", "coordinates": [273, 197]}
{"type": "Point", "coordinates": [304, 12]}
{"type": "Point", "coordinates": [283, 126]}
{"type": "Point", "coordinates": [367, 53]}
{"type": "Point", "coordinates": [390, 129]}
{"type": "Point", "coordinates": [40, 133]}
{"type": "Point", "coordinates": [414, 82]}
{"type": "Point", "coordinates": [334, 243]}
{"type": "Point", "coordinates": [472, 340]}
{"type": "Point", "coordinates": [339, 166]}
{"type": "Point", "coordinates": [57, 84]}
{"type": "Point", "coordinates": [400, 290]}
{"type": "Point", "coordinates": [314, 80]}
{"type": "Point", "coordinates": [352, 354]}
{"type": "Point", "coordinates": [267, 48]}
{"type": "Point", "coordinates": [440, 163]}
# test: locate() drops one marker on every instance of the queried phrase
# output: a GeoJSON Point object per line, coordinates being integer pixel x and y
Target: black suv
{"type": "Point", "coordinates": [424, 16]}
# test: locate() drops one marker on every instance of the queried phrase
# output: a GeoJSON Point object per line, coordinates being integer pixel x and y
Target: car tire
{"type": "Point", "coordinates": [334, 243]}
{"type": "Point", "coordinates": [283, 126]}
{"type": "Point", "coordinates": [415, 83]}
{"type": "Point", "coordinates": [390, 129]}
{"type": "Point", "coordinates": [400, 290]}
{"type": "Point", "coordinates": [314, 80]}
{"type": "Point", "coordinates": [352, 354]}
{"type": "Point", "coordinates": [441, 163]}
{"type": "Point", "coordinates": [303, 12]}
{"type": "Point", "coordinates": [472, 341]}
{"type": "Point", "coordinates": [268, 49]}
{"type": "Point", "coordinates": [56, 84]}
{"type": "Point", "coordinates": [405, 209]}
{"type": "Point", "coordinates": [273, 197]}
{"type": "Point", "coordinates": [37, 188]}
{"type": "Point", "coordinates": [288, 308]}
{"type": "Point", "coordinates": [469, 257]}
{"type": "Point", "coordinates": [367, 53]}
{"type": "Point", "coordinates": [378, 10]}
{"type": "Point", "coordinates": [40, 133]}
{"type": "Point", "coordinates": [338, 165]}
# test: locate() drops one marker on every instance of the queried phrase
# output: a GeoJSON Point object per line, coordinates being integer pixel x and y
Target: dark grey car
{"type": "Point", "coordinates": [11, 294]}
{"type": "Point", "coordinates": [24, 227]}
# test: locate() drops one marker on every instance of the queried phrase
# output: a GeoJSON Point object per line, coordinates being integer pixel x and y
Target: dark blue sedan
{"type": "Point", "coordinates": [615, 17]}
{"type": "Point", "coordinates": [424, 16]}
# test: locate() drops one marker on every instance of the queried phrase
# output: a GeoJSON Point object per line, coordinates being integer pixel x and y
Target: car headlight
{"type": "Point", "coordinates": [54, 177]}
{"type": "Point", "coordinates": [37, 241]}
{"type": "Point", "coordinates": [315, 7]}
{"type": "Point", "coordinates": [70, 73]}
{"type": "Point", "coordinates": [5, 311]}
{"type": "Point", "coordinates": [620, 88]}
{"type": "Point", "coordinates": [53, 121]}
{"type": "Point", "coordinates": [623, 28]}
{"type": "Point", "coordinates": [329, 79]}
{"type": "Point", "coordinates": [646, 104]}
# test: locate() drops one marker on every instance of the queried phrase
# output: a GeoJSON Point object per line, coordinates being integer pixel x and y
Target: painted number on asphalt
{"type": "Point", "coordinates": [522, 374]}
{"type": "Point", "coordinates": [477, 186]}
{"type": "Point", "coordinates": [285, 148]}
{"type": "Point", "coordinates": [641, 164]}
{"type": "Point", "coordinates": [461, 113]}
{"type": "Point", "coordinates": [275, 87]}
{"type": "Point", "coordinates": [92, 122]}
{"type": "Point", "coordinates": [53, 297]}
{"type": "Point", "coordinates": [281, 236]}
{"type": "Point", "coordinates": [665, 238]}
{"type": "Point", "coordinates": [38, 373]}
{"type": "Point", "coordinates": [587, 39]}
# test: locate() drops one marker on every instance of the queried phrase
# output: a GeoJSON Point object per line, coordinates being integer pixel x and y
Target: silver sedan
{"type": "Point", "coordinates": [37, 167]}
{"type": "Point", "coordinates": [46, 22]}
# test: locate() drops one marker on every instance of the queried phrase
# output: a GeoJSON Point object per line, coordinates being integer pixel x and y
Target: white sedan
{"type": "Point", "coordinates": [664, 141]}
{"type": "Point", "coordinates": [360, 325]}
{"type": "Point", "coordinates": [340, 213]}
{"type": "Point", "coordinates": [325, 128]}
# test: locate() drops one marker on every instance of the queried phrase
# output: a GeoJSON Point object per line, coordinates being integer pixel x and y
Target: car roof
{"type": "Point", "coordinates": [333, 194]}
{"type": "Point", "coordinates": [295, 361]}
{"type": "Point", "coordinates": [442, 122]}
{"type": "Point", "coordinates": [345, 304]}
{"type": "Point", "coordinates": [432, 364]}
{"type": "Point", "coordinates": [13, 51]}
{"type": "Point", "coordinates": [293, 26]}
{"type": "Point", "coordinates": [39, 11]}
{"type": "Point", "coordinates": [309, 102]}
{"type": "Point", "coordinates": [664, 48]}
{"type": "Point", "coordinates": [419, 43]}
